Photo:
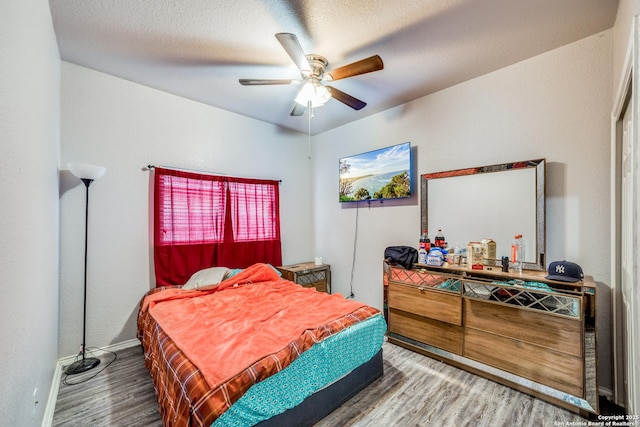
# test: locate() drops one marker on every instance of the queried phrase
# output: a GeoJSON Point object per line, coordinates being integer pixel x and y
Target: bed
{"type": "Point", "coordinates": [255, 349]}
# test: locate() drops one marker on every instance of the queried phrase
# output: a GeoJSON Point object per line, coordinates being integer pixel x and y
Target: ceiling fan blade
{"type": "Point", "coordinates": [298, 109]}
{"type": "Point", "coordinates": [291, 44]}
{"type": "Point", "coordinates": [346, 99]}
{"type": "Point", "coordinates": [367, 65]}
{"type": "Point", "coordinates": [254, 82]}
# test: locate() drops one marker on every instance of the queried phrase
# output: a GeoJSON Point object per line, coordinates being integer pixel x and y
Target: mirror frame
{"type": "Point", "coordinates": [538, 164]}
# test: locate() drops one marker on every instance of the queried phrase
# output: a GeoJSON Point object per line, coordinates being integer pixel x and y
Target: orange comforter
{"type": "Point", "coordinates": [285, 310]}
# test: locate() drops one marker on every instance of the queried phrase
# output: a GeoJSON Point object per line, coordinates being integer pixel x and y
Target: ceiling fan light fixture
{"type": "Point", "coordinates": [313, 68]}
{"type": "Point", "coordinates": [314, 92]}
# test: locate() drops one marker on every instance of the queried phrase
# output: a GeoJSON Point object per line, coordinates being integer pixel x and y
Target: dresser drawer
{"type": "Point", "coordinates": [426, 279]}
{"type": "Point", "coordinates": [546, 330]}
{"type": "Point", "coordinates": [428, 331]}
{"type": "Point", "coordinates": [426, 302]}
{"type": "Point", "coordinates": [557, 370]}
{"type": "Point", "coordinates": [320, 286]}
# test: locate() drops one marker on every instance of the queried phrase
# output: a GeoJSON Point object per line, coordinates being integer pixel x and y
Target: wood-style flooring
{"type": "Point", "coordinates": [415, 390]}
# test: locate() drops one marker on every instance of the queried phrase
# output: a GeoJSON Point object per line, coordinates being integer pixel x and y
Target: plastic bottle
{"type": "Point", "coordinates": [517, 253]}
{"type": "Point", "coordinates": [425, 243]}
{"type": "Point", "coordinates": [439, 239]}
{"type": "Point", "coordinates": [422, 256]}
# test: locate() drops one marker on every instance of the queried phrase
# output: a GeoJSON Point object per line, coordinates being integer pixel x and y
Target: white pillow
{"type": "Point", "coordinates": [206, 279]}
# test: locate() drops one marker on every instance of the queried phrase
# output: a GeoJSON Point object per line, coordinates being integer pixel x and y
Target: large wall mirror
{"type": "Point", "coordinates": [497, 202]}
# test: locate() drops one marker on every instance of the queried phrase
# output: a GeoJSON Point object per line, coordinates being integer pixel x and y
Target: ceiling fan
{"type": "Point", "coordinates": [313, 69]}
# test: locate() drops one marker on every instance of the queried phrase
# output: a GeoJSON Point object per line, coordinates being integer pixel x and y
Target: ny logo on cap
{"type": "Point", "coordinates": [560, 269]}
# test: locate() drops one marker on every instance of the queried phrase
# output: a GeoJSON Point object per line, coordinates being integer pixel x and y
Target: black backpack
{"type": "Point", "coordinates": [405, 256]}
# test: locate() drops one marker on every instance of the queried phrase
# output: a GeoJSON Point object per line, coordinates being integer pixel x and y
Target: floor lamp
{"type": "Point", "coordinates": [87, 173]}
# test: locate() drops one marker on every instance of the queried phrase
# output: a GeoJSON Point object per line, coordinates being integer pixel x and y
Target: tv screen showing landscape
{"type": "Point", "coordinates": [376, 175]}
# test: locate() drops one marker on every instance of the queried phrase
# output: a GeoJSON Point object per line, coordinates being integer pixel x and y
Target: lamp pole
{"type": "Point", "coordinates": [81, 171]}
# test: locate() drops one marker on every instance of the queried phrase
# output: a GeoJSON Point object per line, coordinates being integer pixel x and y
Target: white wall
{"type": "Point", "coordinates": [556, 106]}
{"type": "Point", "coordinates": [125, 126]}
{"type": "Point", "coordinates": [29, 143]}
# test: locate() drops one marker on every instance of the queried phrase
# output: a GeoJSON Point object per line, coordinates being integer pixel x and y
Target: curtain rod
{"type": "Point", "coordinates": [149, 167]}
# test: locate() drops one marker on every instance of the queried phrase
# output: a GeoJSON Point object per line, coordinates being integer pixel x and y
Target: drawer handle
{"type": "Point", "coordinates": [421, 289]}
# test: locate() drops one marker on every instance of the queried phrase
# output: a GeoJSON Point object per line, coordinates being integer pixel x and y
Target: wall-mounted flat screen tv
{"type": "Point", "coordinates": [376, 175]}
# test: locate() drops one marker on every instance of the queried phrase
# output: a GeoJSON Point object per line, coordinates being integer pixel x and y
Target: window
{"type": "Point", "coordinates": [254, 211]}
{"type": "Point", "coordinates": [206, 220]}
{"type": "Point", "coordinates": [190, 210]}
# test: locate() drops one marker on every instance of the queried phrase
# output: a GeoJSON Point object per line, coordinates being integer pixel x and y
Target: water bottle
{"type": "Point", "coordinates": [439, 239]}
{"type": "Point", "coordinates": [425, 243]}
{"type": "Point", "coordinates": [517, 253]}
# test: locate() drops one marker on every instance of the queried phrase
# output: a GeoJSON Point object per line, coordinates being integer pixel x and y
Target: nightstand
{"type": "Point", "coordinates": [308, 274]}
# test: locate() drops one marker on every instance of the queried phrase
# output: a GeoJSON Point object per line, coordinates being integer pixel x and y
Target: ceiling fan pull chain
{"type": "Point", "coordinates": [310, 115]}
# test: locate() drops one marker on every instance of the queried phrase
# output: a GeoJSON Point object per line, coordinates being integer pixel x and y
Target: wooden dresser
{"type": "Point", "coordinates": [532, 334]}
{"type": "Point", "coordinates": [308, 274]}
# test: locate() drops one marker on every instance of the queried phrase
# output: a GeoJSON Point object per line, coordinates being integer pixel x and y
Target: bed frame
{"type": "Point", "coordinates": [322, 403]}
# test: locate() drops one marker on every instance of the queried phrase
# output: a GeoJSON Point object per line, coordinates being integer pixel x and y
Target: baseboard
{"type": "Point", "coordinates": [47, 420]}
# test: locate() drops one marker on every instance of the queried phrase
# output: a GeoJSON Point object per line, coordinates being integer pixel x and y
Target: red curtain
{"type": "Point", "coordinates": [205, 220]}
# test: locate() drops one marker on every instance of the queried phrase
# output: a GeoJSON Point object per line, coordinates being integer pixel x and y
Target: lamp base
{"type": "Point", "coordinates": [82, 365]}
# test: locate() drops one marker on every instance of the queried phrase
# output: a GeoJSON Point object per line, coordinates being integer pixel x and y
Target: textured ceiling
{"type": "Point", "coordinates": [198, 49]}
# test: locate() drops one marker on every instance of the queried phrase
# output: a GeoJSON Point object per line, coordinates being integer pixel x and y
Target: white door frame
{"type": "Point", "coordinates": [626, 97]}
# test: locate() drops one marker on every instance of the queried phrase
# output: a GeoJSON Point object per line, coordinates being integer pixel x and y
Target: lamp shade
{"type": "Point", "coordinates": [85, 171]}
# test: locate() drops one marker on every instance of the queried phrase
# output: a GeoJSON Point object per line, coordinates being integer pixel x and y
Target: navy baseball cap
{"type": "Point", "coordinates": [565, 271]}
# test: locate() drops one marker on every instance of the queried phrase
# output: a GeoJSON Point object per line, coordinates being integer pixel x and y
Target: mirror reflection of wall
{"type": "Point", "coordinates": [487, 206]}
{"type": "Point", "coordinates": [496, 202]}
